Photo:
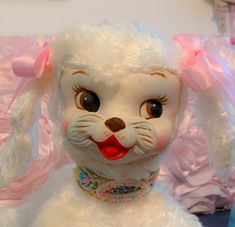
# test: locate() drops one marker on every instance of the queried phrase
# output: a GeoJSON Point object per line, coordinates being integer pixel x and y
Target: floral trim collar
{"type": "Point", "coordinates": [110, 190]}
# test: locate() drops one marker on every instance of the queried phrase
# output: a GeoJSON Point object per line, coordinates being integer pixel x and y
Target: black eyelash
{"type": "Point", "coordinates": [78, 88]}
{"type": "Point", "coordinates": [162, 99]}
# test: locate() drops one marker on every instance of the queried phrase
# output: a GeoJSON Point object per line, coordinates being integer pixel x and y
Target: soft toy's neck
{"type": "Point", "coordinates": [117, 182]}
{"type": "Point", "coordinates": [134, 170]}
{"type": "Point", "coordinates": [108, 189]}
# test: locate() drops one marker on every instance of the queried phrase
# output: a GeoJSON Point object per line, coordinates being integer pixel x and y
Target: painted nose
{"type": "Point", "coordinates": [115, 124]}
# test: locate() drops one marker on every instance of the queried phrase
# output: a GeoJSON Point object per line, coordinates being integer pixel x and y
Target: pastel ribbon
{"type": "Point", "coordinates": [28, 65]}
{"type": "Point", "coordinates": [32, 62]}
{"type": "Point", "coordinates": [200, 69]}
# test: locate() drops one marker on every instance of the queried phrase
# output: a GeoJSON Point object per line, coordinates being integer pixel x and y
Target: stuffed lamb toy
{"type": "Point", "coordinates": [116, 99]}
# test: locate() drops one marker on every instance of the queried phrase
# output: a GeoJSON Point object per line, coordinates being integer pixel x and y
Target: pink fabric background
{"type": "Point", "coordinates": [49, 157]}
{"type": "Point", "coordinates": [187, 171]}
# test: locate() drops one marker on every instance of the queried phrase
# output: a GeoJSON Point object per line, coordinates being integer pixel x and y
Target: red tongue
{"type": "Point", "coordinates": [111, 148]}
{"type": "Point", "coordinates": [111, 152]}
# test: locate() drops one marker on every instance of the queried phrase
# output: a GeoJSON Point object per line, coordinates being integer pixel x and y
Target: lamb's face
{"type": "Point", "coordinates": [119, 116]}
{"type": "Point", "coordinates": [119, 105]}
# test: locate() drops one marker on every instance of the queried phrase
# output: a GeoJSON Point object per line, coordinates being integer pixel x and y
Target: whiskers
{"type": "Point", "coordinates": [145, 142]}
{"type": "Point", "coordinates": [79, 130]}
{"type": "Point", "coordinates": [84, 127]}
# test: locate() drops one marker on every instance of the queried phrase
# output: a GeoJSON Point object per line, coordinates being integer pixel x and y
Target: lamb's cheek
{"type": "Point", "coordinates": [66, 124]}
{"type": "Point", "coordinates": [164, 131]}
{"type": "Point", "coordinates": [162, 142]}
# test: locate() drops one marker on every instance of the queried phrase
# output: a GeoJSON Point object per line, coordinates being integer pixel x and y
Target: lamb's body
{"type": "Point", "coordinates": [71, 207]}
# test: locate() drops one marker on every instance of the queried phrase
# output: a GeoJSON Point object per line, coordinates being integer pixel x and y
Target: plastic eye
{"type": "Point", "coordinates": [87, 100]}
{"type": "Point", "coordinates": [151, 108]}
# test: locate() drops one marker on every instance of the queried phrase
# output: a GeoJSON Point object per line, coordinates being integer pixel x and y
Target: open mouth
{"type": "Point", "coordinates": [111, 148]}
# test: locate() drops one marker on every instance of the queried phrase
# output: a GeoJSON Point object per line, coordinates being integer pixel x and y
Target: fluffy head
{"type": "Point", "coordinates": [128, 76]}
{"type": "Point", "coordinates": [110, 47]}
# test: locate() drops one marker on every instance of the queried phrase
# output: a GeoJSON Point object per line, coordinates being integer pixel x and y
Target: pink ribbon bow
{"type": "Point", "coordinates": [200, 70]}
{"type": "Point", "coordinates": [30, 64]}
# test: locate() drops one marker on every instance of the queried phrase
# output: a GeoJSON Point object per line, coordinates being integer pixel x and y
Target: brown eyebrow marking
{"type": "Point", "coordinates": [79, 71]}
{"type": "Point", "coordinates": [158, 73]}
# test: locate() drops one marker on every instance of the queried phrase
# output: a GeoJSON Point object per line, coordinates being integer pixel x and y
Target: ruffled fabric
{"type": "Point", "coordinates": [187, 171]}
{"type": "Point", "coordinates": [49, 157]}
{"type": "Point", "coordinates": [190, 177]}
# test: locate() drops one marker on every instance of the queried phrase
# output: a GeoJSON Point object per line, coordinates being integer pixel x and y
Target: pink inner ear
{"type": "Point", "coordinates": [66, 125]}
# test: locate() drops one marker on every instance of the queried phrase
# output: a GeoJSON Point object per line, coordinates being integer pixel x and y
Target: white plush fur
{"type": "Point", "coordinates": [17, 150]}
{"type": "Point", "coordinates": [71, 207]}
{"type": "Point", "coordinates": [114, 54]}
{"type": "Point", "coordinates": [61, 203]}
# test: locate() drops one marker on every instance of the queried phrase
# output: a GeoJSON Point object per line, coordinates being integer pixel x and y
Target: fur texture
{"type": "Point", "coordinates": [72, 207]}
{"type": "Point", "coordinates": [127, 70]}
{"type": "Point", "coordinates": [61, 203]}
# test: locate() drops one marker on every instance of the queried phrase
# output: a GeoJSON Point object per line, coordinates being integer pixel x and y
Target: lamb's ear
{"type": "Point", "coordinates": [209, 77]}
{"type": "Point", "coordinates": [218, 120]}
{"type": "Point", "coordinates": [17, 150]}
